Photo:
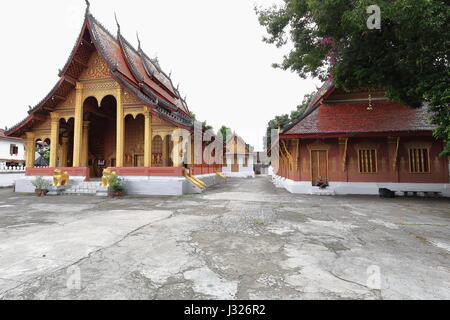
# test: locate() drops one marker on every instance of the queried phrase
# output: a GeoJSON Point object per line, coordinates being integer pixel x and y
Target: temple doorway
{"type": "Point", "coordinates": [65, 154]}
{"type": "Point", "coordinates": [319, 165]}
{"type": "Point", "coordinates": [235, 165]}
{"type": "Point", "coordinates": [99, 127]}
{"type": "Point", "coordinates": [134, 141]}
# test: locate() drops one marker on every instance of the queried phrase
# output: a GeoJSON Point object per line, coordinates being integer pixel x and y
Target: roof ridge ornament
{"type": "Point", "coordinates": [117, 22]}
{"type": "Point", "coordinates": [139, 41]}
{"type": "Point", "coordinates": [88, 5]}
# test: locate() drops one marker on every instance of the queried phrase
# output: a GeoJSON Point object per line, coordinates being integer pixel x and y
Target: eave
{"type": "Point", "coordinates": [327, 135]}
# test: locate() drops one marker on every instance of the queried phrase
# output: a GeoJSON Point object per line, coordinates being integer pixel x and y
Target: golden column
{"type": "Point", "coordinates": [78, 127]}
{"type": "Point", "coordinates": [63, 152]}
{"type": "Point", "coordinates": [30, 146]}
{"type": "Point", "coordinates": [166, 142]}
{"type": "Point", "coordinates": [120, 139]}
{"type": "Point", "coordinates": [85, 149]}
{"type": "Point", "coordinates": [54, 139]}
{"type": "Point", "coordinates": [148, 136]}
{"type": "Point", "coordinates": [177, 153]}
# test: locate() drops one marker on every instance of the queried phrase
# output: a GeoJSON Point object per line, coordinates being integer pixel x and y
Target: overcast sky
{"type": "Point", "coordinates": [213, 47]}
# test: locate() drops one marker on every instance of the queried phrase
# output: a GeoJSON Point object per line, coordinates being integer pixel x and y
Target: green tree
{"type": "Point", "coordinates": [280, 122]}
{"type": "Point", "coordinates": [408, 57]}
{"type": "Point", "coordinates": [224, 132]}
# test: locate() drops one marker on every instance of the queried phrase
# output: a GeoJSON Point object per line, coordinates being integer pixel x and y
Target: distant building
{"type": "Point", "coordinates": [239, 158]}
{"type": "Point", "coordinates": [12, 151]}
{"type": "Point", "coordinates": [360, 142]}
{"type": "Point", "coordinates": [261, 162]}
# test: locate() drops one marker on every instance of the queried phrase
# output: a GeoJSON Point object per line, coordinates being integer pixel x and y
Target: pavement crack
{"type": "Point", "coordinates": [29, 281]}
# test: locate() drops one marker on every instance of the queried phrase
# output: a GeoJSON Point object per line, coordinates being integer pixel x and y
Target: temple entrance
{"type": "Point", "coordinates": [235, 165]}
{"type": "Point", "coordinates": [134, 141]}
{"type": "Point", "coordinates": [99, 149]}
{"type": "Point", "coordinates": [157, 152]}
{"type": "Point", "coordinates": [319, 165]}
{"type": "Point", "coordinates": [65, 155]}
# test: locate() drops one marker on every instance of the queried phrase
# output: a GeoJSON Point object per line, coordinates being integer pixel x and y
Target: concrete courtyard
{"type": "Point", "coordinates": [241, 240]}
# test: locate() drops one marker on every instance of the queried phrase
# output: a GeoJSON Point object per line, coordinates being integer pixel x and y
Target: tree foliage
{"type": "Point", "coordinates": [224, 132]}
{"type": "Point", "coordinates": [280, 122]}
{"type": "Point", "coordinates": [408, 57]}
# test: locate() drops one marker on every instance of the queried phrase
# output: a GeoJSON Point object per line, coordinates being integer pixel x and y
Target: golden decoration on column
{"type": "Point", "coordinates": [54, 139]}
{"type": "Point", "coordinates": [30, 146]}
{"type": "Point", "coordinates": [78, 127]}
{"type": "Point", "coordinates": [148, 137]}
{"type": "Point", "coordinates": [120, 140]}
{"type": "Point", "coordinates": [85, 149]}
{"type": "Point", "coordinates": [63, 152]}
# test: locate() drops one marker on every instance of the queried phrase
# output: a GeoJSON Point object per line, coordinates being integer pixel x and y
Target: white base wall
{"type": "Point", "coordinates": [166, 186]}
{"type": "Point", "coordinates": [150, 186]}
{"type": "Point", "coordinates": [25, 184]}
{"type": "Point", "coordinates": [360, 188]}
{"type": "Point", "coordinates": [9, 179]}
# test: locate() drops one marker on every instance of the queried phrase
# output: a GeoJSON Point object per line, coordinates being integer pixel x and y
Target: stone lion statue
{"type": "Point", "coordinates": [107, 173]}
{"type": "Point", "coordinates": [60, 178]}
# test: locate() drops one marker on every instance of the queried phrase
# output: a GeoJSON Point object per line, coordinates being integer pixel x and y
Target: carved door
{"type": "Point", "coordinates": [139, 160]}
{"type": "Point", "coordinates": [235, 165]}
{"type": "Point", "coordinates": [319, 165]}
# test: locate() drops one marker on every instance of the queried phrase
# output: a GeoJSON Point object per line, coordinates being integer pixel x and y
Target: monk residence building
{"type": "Point", "coordinates": [113, 107]}
{"type": "Point", "coordinates": [360, 142]}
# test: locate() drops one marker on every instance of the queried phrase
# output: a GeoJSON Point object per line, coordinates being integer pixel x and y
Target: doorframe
{"type": "Point", "coordinates": [310, 162]}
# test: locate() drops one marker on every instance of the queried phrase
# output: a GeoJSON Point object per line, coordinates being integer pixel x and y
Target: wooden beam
{"type": "Point", "coordinates": [98, 113]}
{"type": "Point", "coordinates": [58, 97]}
{"type": "Point", "coordinates": [288, 154]}
{"type": "Point", "coordinates": [83, 64]}
{"type": "Point", "coordinates": [70, 80]}
{"type": "Point", "coordinates": [394, 164]}
{"type": "Point", "coordinates": [344, 155]}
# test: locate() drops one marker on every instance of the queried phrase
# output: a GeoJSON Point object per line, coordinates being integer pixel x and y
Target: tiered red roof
{"type": "Point", "coordinates": [133, 69]}
{"type": "Point", "coordinates": [346, 118]}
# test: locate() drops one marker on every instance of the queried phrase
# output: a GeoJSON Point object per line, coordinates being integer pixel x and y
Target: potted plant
{"type": "Point", "coordinates": [116, 186]}
{"type": "Point", "coordinates": [41, 186]}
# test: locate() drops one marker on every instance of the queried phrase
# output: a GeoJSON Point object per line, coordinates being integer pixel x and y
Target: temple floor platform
{"type": "Point", "coordinates": [171, 182]}
{"type": "Point", "coordinates": [243, 239]}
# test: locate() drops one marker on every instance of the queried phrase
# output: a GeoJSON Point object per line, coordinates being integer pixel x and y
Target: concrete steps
{"type": "Point", "coordinates": [322, 192]}
{"type": "Point", "coordinates": [84, 188]}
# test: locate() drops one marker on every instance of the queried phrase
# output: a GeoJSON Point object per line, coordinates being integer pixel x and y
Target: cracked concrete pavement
{"type": "Point", "coordinates": [245, 239]}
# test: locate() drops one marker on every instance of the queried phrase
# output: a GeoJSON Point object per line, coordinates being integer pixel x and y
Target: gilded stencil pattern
{"type": "Point", "coordinates": [69, 103]}
{"type": "Point", "coordinates": [130, 99]}
{"type": "Point", "coordinates": [97, 68]}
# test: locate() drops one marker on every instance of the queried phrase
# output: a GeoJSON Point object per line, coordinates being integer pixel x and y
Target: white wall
{"type": "Point", "coordinates": [5, 149]}
{"type": "Point", "coordinates": [244, 172]}
{"type": "Point", "coordinates": [8, 179]}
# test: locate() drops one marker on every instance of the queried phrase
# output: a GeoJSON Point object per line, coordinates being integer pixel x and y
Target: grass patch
{"type": "Point", "coordinates": [259, 223]}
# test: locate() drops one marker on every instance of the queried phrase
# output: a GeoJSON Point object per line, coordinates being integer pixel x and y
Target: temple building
{"type": "Point", "coordinates": [238, 159]}
{"type": "Point", "coordinates": [12, 152]}
{"type": "Point", "coordinates": [113, 107]}
{"type": "Point", "coordinates": [360, 142]}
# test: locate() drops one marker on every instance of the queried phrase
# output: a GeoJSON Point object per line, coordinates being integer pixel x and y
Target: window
{"type": "Point", "coordinates": [367, 159]}
{"type": "Point", "coordinates": [13, 150]}
{"type": "Point", "coordinates": [419, 160]}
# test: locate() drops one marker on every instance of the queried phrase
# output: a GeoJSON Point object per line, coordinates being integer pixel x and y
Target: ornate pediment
{"type": "Point", "coordinates": [97, 68]}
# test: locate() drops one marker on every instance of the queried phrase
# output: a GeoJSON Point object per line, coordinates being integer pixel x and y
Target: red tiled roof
{"type": "Point", "coordinates": [386, 116]}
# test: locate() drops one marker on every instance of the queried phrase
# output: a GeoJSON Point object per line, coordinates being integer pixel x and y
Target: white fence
{"type": "Point", "coordinates": [5, 169]}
